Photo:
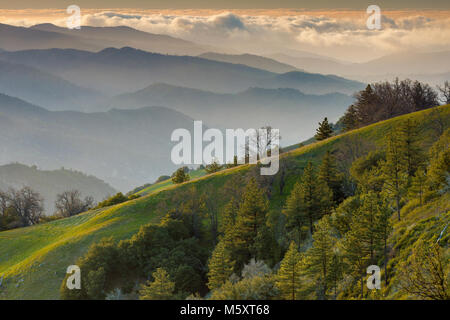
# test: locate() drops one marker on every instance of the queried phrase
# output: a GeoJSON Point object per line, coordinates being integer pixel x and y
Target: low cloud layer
{"type": "Point", "coordinates": [343, 36]}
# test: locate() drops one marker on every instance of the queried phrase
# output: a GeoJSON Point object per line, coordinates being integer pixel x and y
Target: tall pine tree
{"type": "Point", "coordinates": [309, 201]}
{"type": "Point", "coordinates": [329, 174]}
{"type": "Point", "coordinates": [251, 217]}
{"type": "Point", "coordinates": [288, 278]}
{"type": "Point", "coordinates": [220, 266]}
{"type": "Point", "coordinates": [321, 253]}
{"type": "Point", "coordinates": [395, 173]}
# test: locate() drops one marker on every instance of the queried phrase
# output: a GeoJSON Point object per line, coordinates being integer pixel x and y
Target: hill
{"type": "Point", "coordinates": [33, 260]}
{"type": "Point", "coordinates": [125, 148]}
{"type": "Point", "coordinates": [114, 71]}
{"type": "Point", "coordinates": [251, 60]}
{"type": "Point", "coordinates": [51, 183]}
{"type": "Point", "coordinates": [42, 88]}
{"type": "Point", "coordinates": [296, 114]}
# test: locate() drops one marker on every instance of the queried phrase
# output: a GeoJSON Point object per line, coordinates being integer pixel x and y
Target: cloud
{"type": "Point", "coordinates": [342, 35]}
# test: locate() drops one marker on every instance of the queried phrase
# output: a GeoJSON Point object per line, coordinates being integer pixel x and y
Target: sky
{"type": "Point", "coordinates": [338, 33]}
{"type": "Point", "coordinates": [226, 4]}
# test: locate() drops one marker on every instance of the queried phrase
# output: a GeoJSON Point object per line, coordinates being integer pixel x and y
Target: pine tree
{"type": "Point", "coordinates": [310, 199]}
{"type": "Point", "coordinates": [294, 212]}
{"type": "Point", "coordinates": [213, 167]}
{"type": "Point", "coordinates": [395, 173]}
{"type": "Point", "coordinates": [180, 176]}
{"type": "Point", "coordinates": [220, 266]}
{"type": "Point", "coordinates": [160, 289]}
{"type": "Point", "coordinates": [356, 254]}
{"type": "Point", "coordinates": [250, 218]}
{"type": "Point", "coordinates": [321, 252]}
{"type": "Point", "coordinates": [329, 174]}
{"type": "Point", "coordinates": [229, 215]}
{"type": "Point", "coordinates": [288, 276]}
{"type": "Point", "coordinates": [324, 131]}
{"type": "Point", "coordinates": [418, 185]}
{"type": "Point", "coordinates": [366, 221]}
{"type": "Point", "coordinates": [383, 230]}
{"type": "Point", "coordinates": [335, 273]}
{"type": "Point", "coordinates": [350, 119]}
{"type": "Point", "coordinates": [409, 140]}
{"type": "Point", "coordinates": [439, 168]}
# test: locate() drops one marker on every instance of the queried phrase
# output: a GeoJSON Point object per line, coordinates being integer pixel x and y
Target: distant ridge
{"type": "Point", "coordinates": [46, 36]}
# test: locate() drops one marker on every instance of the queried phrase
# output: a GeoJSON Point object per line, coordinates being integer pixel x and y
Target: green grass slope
{"type": "Point", "coordinates": [33, 260]}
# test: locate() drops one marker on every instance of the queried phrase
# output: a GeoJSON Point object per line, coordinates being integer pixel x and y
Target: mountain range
{"type": "Point", "coordinates": [43, 88]}
{"type": "Point", "coordinates": [46, 36]}
{"type": "Point", "coordinates": [251, 60]}
{"type": "Point", "coordinates": [125, 148]}
{"type": "Point", "coordinates": [425, 66]}
{"type": "Point", "coordinates": [113, 71]}
{"type": "Point", "coordinates": [296, 114]}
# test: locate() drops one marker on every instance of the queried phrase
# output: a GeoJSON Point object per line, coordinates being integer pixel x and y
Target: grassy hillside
{"type": "Point", "coordinates": [154, 188]}
{"type": "Point", "coordinates": [33, 260]}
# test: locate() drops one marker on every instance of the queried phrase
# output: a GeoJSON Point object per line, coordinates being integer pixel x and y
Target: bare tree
{"type": "Point", "coordinates": [263, 141]}
{"type": "Point", "coordinates": [69, 203]}
{"type": "Point", "coordinates": [27, 204]}
{"type": "Point", "coordinates": [445, 92]}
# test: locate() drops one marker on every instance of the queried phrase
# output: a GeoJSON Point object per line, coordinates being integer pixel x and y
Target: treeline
{"type": "Point", "coordinates": [25, 207]}
{"type": "Point", "coordinates": [385, 100]}
{"type": "Point", "coordinates": [333, 225]}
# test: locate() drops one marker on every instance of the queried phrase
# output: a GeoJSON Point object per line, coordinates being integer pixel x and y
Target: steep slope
{"type": "Point", "coordinates": [51, 183]}
{"type": "Point", "coordinates": [114, 71]}
{"type": "Point", "coordinates": [33, 260]}
{"type": "Point", "coordinates": [125, 148]}
{"type": "Point", "coordinates": [294, 113]}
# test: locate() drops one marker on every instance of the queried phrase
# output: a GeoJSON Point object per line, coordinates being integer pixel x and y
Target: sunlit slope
{"type": "Point", "coordinates": [33, 260]}
{"type": "Point", "coordinates": [164, 184]}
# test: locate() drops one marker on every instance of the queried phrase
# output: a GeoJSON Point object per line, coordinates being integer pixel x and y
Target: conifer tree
{"type": "Point", "coordinates": [350, 119]}
{"type": "Point", "coordinates": [321, 252]}
{"type": "Point", "coordinates": [220, 266]}
{"type": "Point", "coordinates": [409, 136]}
{"type": "Point", "coordinates": [356, 254]}
{"type": "Point", "coordinates": [439, 168]}
{"type": "Point", "coordinates": [310, 199]}
{"type": "Point", "coordinates": [250, 218]}
{"type": "Point", "coordinates": [161, 288]}
{"type": "Point", "coordinates": [180, 176]}
{"type": "Point", "coordinates": [288, 276]}
{"type": "Point", "coordinates": [335, 273]}
{"type": "Point", "coordinates": [395, 173]}
{"type": "Point", "coordinates": [329, 174]}
{"type": "Point", "coordinates": [213, 167]}
{"type": "Point", "coordinates": [324, 131]}
{"type": "Point", "coordinates": [228, 216]}
{"type": "Point", "coordinates": [366, 221]}
{"type": "Point", "coordinates": [383, 230]}
{"type": "Point", "coordinates": [418, 185]}
{"type": "Point", "coordinates": [294, 212]}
